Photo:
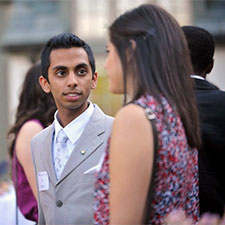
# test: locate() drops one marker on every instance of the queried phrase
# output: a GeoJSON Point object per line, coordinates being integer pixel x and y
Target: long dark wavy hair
{"type": "Point", "coordinates": [160, 61]}
{"type": "Point", "coordinates": [34, 103]}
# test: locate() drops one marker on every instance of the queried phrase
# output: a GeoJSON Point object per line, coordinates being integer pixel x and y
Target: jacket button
{"type": "Point", "coordinates": [59, 203]}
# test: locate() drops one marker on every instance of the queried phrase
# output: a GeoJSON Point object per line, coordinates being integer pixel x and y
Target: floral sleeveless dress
{"type": "Point", "coordinates": [176, 177]}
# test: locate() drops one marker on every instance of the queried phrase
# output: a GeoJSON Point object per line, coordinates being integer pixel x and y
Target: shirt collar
{"type": "Point", "coordinates": [75, 127]}
{"type": "Point", "coordinates": [197, 77]}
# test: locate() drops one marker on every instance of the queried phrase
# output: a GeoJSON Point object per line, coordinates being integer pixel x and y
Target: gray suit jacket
{"type": "Point", "coordinates": [69, 200]}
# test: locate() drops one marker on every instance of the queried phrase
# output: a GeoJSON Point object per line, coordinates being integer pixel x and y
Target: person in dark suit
{"type": "Point", "coordinates": [211, 103]}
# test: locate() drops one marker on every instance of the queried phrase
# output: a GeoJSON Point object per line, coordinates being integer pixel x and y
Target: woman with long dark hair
{"type": "Point", "coordinates": [151, 164]}
{"type": "Point", "coordinates": [35, 112]}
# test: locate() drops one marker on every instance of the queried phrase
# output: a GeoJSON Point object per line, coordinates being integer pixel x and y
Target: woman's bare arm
{"type": "Point", "coordinates": [131, 160]}
{"type": "Point", "coordinates": [23, 151]}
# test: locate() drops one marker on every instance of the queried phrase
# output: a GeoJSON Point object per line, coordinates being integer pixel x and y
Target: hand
{"type": "Point", "coordinates": [178, 217]}
{"type": "Point", "coordinates": [4, 187]}
{"type": "Point", "coordinates": [211, 219]}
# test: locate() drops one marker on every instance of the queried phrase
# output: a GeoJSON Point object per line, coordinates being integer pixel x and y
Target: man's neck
{"type": "Point", "coordinates": [65, 117]}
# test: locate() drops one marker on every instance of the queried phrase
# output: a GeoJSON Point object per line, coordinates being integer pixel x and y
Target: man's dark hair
{"type": "Point", "coordinates": [64, 40]}
{"type": "Point", "coordinates": [201, 45]}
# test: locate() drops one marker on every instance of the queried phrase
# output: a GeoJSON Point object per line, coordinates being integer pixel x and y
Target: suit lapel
{"type": "Point", "coordinates": [46, 154]}
{"type": "Point", "coordinates": [89, 141]}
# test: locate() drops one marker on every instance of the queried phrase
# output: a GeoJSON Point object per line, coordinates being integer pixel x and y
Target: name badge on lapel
{"type": "Point", "coordinates": [43, 181]}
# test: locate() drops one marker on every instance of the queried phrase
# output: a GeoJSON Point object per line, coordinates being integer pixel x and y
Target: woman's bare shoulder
{"type": "Point", "coordinates": [131, 112]}
{"type": "Point", "coordinates": [26, 133]}
{"type": "Point", "coordinates": [31, 126]}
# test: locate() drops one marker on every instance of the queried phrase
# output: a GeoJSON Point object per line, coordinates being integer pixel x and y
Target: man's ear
{"type": "Point", "coordinates": [44, 84]}
{"type": "Point", "coordinates": [210, 67]}
{"type": "Point", "coordinates": [94, 80]}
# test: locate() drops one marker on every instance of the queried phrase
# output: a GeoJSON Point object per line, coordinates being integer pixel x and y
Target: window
{"type": "Point", "coordinates": [210, 14]}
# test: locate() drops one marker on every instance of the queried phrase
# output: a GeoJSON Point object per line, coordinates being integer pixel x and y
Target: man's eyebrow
{"type": "Point", "coordinates": [84, 65]}
{"type": "Point", "coordinates": [59, 67]}
{"type": "Point", "coordinates": [76, 67]}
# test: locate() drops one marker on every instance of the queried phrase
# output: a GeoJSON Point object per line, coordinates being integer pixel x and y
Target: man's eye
{"type": "Point", "coordinates": [60, 73]}
{"type": "Point", "coordinates": [82, 72]}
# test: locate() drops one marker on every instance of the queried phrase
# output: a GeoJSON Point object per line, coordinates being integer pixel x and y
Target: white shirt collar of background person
{"type": "Point", "coordinates": [75, 128]}
{"type": "Point", "coordinates": [197, 77]}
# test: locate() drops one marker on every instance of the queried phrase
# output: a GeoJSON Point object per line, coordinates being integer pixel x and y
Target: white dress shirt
{"type": "Point", "coordinates": [73, 130]}
{"type": "Point", "coordinates": [197, 77]}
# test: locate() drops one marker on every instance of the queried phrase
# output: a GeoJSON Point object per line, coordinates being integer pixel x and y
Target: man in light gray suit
{"type": "Point", "coordinates": [66, 154]}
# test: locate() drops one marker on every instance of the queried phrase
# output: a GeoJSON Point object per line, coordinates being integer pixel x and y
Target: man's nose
{"type": "Point", "coordinates": [72, 80]}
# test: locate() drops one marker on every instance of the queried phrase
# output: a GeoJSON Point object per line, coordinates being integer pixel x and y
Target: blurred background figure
{"type": "Point", "coordinates": [139, 181]}
{"type": "Point", "coordinates": [8, 213]}
{"type": "Point", "coordinates": [35, 111]}
{"type": "Point", "coordinates": [4, 186]}
{"type": "Point", "coordinates": [211, 104]}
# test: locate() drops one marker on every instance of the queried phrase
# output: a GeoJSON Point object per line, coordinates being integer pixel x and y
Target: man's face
{"type": "Point", "coordinates": [70, 79]}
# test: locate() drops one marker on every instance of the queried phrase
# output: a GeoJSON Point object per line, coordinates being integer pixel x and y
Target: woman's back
{"type": "Point", "coordinates": [176, 178]}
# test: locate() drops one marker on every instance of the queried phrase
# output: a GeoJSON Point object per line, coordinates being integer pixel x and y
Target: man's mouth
{"type": "Point", "coordinates": [72, 96]}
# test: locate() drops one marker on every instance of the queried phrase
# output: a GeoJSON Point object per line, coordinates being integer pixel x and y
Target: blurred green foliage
{"type": "Point", "coordinates": [108, 102]}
